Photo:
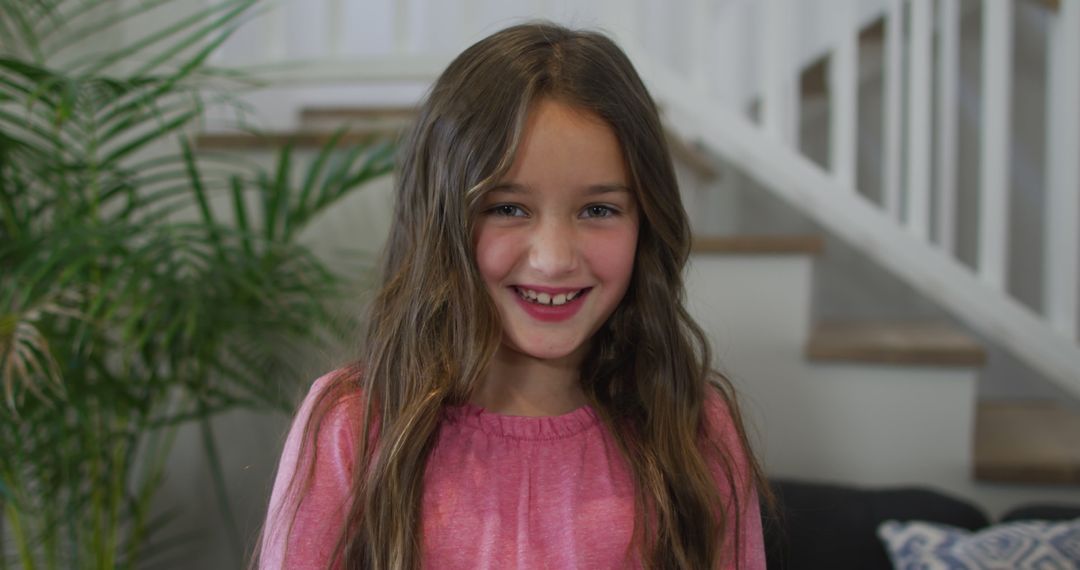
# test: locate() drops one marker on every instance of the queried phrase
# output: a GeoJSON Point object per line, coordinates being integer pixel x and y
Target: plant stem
{"type": "Point", "coordinates": [220, 489]}
{"type": "Point", "coordinates": [98, 501]}
{"type": "Point", "coordinates": [21, 540]}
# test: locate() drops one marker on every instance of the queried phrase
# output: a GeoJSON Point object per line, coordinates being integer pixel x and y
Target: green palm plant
{"type": "Point", "coordinates": [143, 284]}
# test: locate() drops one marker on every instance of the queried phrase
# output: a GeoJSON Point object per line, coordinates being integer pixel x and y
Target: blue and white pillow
{"type": "Point", "coordinates": [1035, 545]}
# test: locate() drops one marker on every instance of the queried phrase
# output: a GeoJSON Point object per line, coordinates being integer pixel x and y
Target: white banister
{"type": "Point", "coordinates": [273, 41]}
{"type": "Point", "coordinates": [919, 112]}
{"type": "Point", "coordinates": [701, 32]}
{"type": "Point", "coordinates": [947, 80]}
{"type": "Point", "coordinates": [1062, 235]}
{"type": "Point", "coordinates": [843, 93]}
{"type": "Point", "coordinates": [402, 27]}
{"type": "Point", "coordinates": [728, 60]}
{"type": "Point", "coordinates": [335, 18]}
{"type": "Point", "coordinates": [542, 9]}
{"type": "Point", "coordinates": [994, 152]}
{"type": "Point", "coordinates": [219, 56]}
{"type": "Point", "coordinates": [893, 105]}
{"type": "Point", "coordinates": [779, 114]}
{"type": "Point", "coordinates": [803, 184]}
{"type": "Point", "coordinates": [470, 13]}
{"type": "Point", "coordinates": [623, 18]}
{"type": "Point", "coordinates": [745, 51]}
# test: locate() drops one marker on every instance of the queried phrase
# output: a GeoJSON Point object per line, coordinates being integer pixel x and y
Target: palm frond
{"type": "Point", "coordinates": [17, 21]}
{"type": "Point", "coordinates": [84, 21]}
{"type": "Point", "coordinates": [190, 29]}
{"type": "Point", "coordinates": [128, 290]}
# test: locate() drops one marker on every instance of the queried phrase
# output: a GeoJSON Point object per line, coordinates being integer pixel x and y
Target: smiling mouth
{"type": "Point", "coordinates": [547, 299]}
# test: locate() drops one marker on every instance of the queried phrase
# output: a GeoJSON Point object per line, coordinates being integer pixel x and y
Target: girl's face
{"type": "Point", "coordinates": [556, 239]}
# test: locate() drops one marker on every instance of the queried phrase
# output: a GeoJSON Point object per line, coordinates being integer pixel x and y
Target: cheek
{"type": "Point", "coordinates": [612, 257]}
{"type": "Point", "coordinates": [495, 253]}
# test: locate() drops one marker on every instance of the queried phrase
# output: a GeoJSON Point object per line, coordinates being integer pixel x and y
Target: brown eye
{"type": "Point", "coordinates": [506, 210]}
{"type": "Point", "coordinates": [598, 211]}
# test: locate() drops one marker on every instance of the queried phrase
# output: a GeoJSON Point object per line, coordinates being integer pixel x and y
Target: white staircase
{"type": "Point", "coordinates": [868, 421]}
{"type": "Point", "coordinates": [895, 405]}
{"type": "Point", "coordinates": [704, 61]}
{"type": "Point", "coordinates": [727, 74]}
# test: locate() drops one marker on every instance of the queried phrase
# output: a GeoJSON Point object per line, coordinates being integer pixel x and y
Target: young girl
{"type": "Point", "coordinates": [532, 392]}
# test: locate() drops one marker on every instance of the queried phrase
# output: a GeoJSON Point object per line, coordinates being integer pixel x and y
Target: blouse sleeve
{"type": "Point", "coordinates": [303, 522]}
{"type": "Point", "coordinates": [750, 542]}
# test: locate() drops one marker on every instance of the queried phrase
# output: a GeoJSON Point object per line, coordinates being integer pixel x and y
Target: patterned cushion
{"type": "Point", "coordinates": [1017, 545]}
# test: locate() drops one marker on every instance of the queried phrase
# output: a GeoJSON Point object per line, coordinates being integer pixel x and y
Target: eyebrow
{"type": "Point", "coordinates": [592, 189]}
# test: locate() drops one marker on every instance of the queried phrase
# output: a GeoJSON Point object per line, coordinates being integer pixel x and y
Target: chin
{"type": "Point", "coordinates": [540, 351]}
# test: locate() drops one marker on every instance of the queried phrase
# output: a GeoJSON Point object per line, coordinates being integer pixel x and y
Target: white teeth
{"type": "Point", "coordinates": [547, 298]}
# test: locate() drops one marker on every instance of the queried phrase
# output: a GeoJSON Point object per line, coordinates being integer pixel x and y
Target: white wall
{"type": "Point", "coordinates": [847, 284]}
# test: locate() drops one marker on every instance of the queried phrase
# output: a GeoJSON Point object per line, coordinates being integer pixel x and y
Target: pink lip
{"type": "Point", "coordinates": [551, 313]}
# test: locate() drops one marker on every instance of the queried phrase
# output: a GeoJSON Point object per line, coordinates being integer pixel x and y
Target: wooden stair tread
{"type": "Point", "coordinates": [300, 139]}
{"type": "Point", "coordinates": [913, 343]}
{"type": "Point", "coordinates": [697, 159]}
{"type": "Point", "coordinates": [693, 156]}
{"type": "Point", "coordinates": [1027, 442]}
{"type": "Point", "coordinates": [386, 121]}
{"type": "Point", "coordinates": [389, 128]}
{"type": "Point", "coordinates": [759, 244]}
{"type": "Point", "coordinates": [368, 113]}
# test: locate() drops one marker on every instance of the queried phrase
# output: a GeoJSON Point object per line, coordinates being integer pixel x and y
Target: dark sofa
{"type": "Point", "coordinates": [820, 526]}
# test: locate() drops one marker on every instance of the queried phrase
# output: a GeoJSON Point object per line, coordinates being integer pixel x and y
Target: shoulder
{"type": "Point", "coordinates": [312, 488]}
{"type": "Point", "coordinates": [331, 416]}
{"type": "Point", "coordinates": [329, 419]}
{"type": "Point", "coordinates": [321, 444]}
{"type": "Point", "coordinates": [341, 385]}
{"type": "Point", "coordinates": [733, 466]}
{"type": "Point", "coordinates": [724, 438]}
{"type": "Point", "coordinates": [720, 413]}
{"type": "Point", "coordinates": [335, 398]}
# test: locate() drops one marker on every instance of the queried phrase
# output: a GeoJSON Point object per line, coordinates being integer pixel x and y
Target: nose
{"type": "Point", "coordinates": [554, 250]}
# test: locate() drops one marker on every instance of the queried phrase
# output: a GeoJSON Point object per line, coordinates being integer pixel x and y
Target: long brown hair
{"type": "Point", "coordinates": [433, 328]}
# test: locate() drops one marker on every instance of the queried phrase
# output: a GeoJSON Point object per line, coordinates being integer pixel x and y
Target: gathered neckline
{"type": "Point", "coordinates": [523, 427]}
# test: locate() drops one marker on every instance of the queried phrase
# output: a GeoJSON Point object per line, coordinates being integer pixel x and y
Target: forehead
{"type": "Point", "coordinates": [563, 146]}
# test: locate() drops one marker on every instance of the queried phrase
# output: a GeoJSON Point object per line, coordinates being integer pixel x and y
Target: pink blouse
{"type": "Point", "coordinates": [499, 492]}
